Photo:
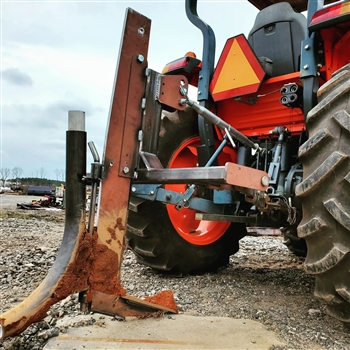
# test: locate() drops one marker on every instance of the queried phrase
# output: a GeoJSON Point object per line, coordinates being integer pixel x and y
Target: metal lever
{"type": "Point", "coordinates": [214, 119]}
{"type": "Point", "coordinates": [94, 152]}
{"type": "Point", "coordinates": [96, 170]}
{"type": "Point", "coordinates": [184, 202]}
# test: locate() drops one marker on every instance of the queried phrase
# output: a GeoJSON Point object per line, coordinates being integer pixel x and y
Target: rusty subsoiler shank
{"type": "Point", "coordinates": [91, 262]}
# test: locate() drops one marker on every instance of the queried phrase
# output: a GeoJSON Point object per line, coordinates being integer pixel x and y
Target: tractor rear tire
{"type": "Point", "coordinates": [324, 194]}
{"type": "Point", "coordinates": [150, 232]}
{"type": "Point", "coordinates": [295, 245]}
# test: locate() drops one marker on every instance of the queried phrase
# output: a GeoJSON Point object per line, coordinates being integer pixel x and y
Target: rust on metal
{"type": "Point", "coordinates": [119, 154]}
{"type": "Point", "coordinates": [169, 90]}
{"type": "Point", "coordinates": [129, 306]}
{"type": "Point", "coordinates": [70, 271]}
{"type": "Point", "coordinates": [63, 279]}
{"type": "Point", "coordinates": [119, 163]}
{"type": "Point", "coordinates": [134, 90]}
{"type": "Point", "coordinates": [112, 233]}
{"type": "Point", "coordinates": [164, 298]}
{"type": "Point", "coordinates": [151, 161]}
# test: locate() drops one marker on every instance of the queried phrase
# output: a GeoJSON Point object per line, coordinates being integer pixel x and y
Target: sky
{"type": "Point", "coordinates": [58, 56]}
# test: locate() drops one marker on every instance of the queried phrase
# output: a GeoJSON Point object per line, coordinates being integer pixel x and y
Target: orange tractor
{"type": "Point", "coordinates": [265, 143]}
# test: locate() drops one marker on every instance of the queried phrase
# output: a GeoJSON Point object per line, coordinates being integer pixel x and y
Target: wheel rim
{"type": "Point", "coordinates": [199, 232]}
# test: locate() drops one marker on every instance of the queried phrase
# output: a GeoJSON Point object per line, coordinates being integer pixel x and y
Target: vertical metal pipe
{"type": "Point", "coordinates": [92, 210]}
{"type": "Point", "coordinates": [75, 170]}
{"type": "Point", "coordinates": [75, 166]}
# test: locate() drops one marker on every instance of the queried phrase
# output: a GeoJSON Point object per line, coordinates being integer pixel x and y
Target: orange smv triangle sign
{"type": "Point", "coordinates": [238, 71]}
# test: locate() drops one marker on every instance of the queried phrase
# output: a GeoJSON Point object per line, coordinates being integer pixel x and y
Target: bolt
{"type": "Point", "coordinates": [133, 189]}
{"type": "Point", "coordinates": [200, 77]}
{"type": "Point", "coordinates": [183, 91]}
{"type": "Point", "coordinates": [319, 65]}
{"type": "Point", "coordinates": [151, 193]}
{"type": "Point", "coordinates": [141, 31]}
{"type": "Point", "coordinates": [265, 180]}
{"type": "Point", "coordinates": [199, 92]}
{"type": "Point", "coordinates": [307, 47]}
{"type": "Point", "coordinates": [306, 67]}
{"type": "Point", "coordinates": [126, 170]}
{"type": "Point", "coordinates": [140, 58]}
{"type": "Point", "coordinates": [168, 197]}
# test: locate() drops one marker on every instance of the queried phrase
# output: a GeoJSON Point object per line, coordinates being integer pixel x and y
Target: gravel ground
{"type": "Point", "coordinates": [263, 282]}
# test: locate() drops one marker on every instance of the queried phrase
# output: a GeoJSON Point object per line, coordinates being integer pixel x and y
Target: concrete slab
{"type": "Point", "coordinates": [173, 332]}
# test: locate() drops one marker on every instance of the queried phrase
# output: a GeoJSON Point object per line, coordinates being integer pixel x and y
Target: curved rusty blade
{"type": "Point", "coordinates": [65, 277]}
{"type": "Point", "coordinates": [69, 272]}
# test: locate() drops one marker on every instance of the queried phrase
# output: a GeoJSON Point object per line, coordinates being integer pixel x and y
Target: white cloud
{"type": "Point", "coordinates": [69, 51]}
{"type": "Point", "coordinates": [16, 77]}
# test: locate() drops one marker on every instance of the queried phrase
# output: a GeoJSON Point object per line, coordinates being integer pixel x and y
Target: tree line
{"type": "Point", "coordinates": [39, 179]}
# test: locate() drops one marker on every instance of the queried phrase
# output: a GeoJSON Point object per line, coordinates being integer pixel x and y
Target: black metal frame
{"type": "Point", "coordinates": [206, 130]}
{"type": "Point", "coordinates": [309, 60]}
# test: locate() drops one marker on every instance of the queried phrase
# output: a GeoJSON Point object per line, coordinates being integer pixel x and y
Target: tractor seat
{"type": "Point", "coordinates": [277, 35]}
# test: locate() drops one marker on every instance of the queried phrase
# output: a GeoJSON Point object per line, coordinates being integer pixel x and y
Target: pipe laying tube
{"type": "Point", "coordinates": [57, 285]}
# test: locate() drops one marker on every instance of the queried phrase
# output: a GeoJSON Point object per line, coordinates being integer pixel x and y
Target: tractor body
{"type": "Point", "coordinates": [254, 116]}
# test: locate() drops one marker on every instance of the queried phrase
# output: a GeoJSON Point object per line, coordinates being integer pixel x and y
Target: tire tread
{"type": "Point", "coordinates": [324, 194]}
